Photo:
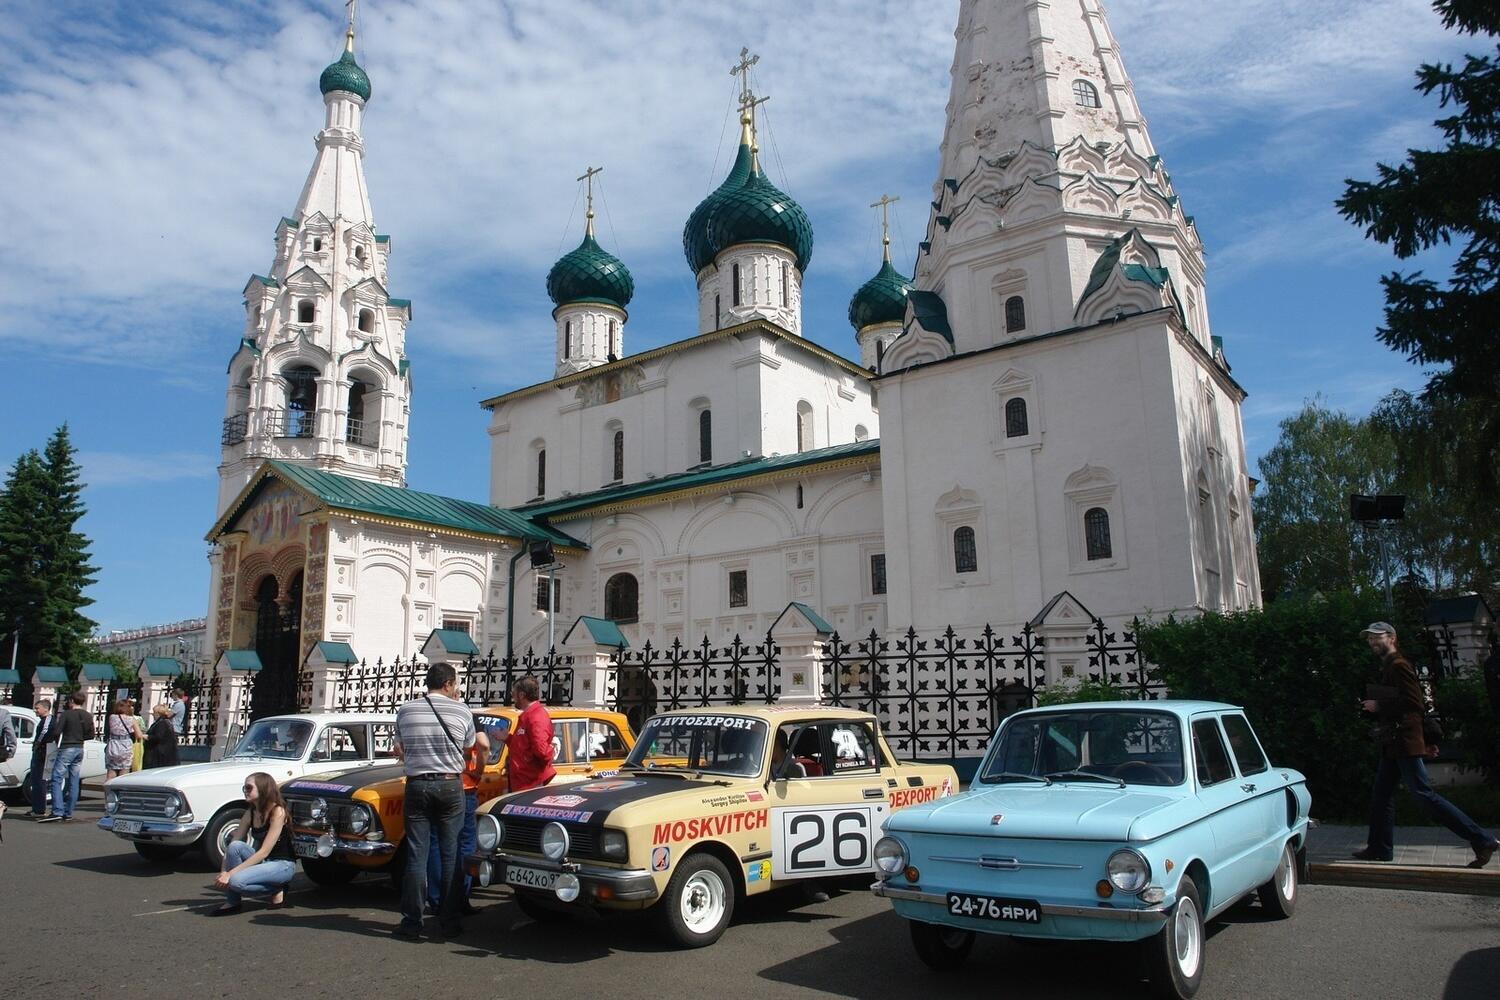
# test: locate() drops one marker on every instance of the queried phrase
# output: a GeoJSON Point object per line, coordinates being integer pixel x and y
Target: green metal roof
{"type": "Point", "coordinates": [589, 273]}
{"type": "Point", "coordinates": [602, 631]}
{"type": "Point", "coordinates": [882, 299]}
{"type": "Point", "coordinates": [359, 496]}
{"type": "Point", "coordinates": [382, 238]}
{"type": "Point", "coordinates": [242, 659]}
{"type": "Point", "coordinates": [814, 619]}
{"type": "Point", "coordinates": [345, 75]}
{"type": "Point", "coordinates": [9, 676]}
{"type": "Point", "coordinates": [1109, 257]}
{"type": "Point", "coordinates": [399, 303]}
{"type": "Point", "coordinates": [49, 675]}
{"type": "Point", "coordinates": [454, 641]}
{"type": "Point", "coordinates": [695, 243]}
{"type": "Point", "coordinates": [930, 313]}
{"type": "Point", "coordinates": [290, 222]}
{"type": "Point", "coordinates": [759, 212]}
{"type": "Point", "coordinates": [336, 652]}
{"type": "Point", "coordinates": [743, 469]}
{"type": "Point", "coordinates": [161, 666]}
{"type": "Point", "coordinates": [97, 672]}
{"type": "Point", "coordinates": [268, 282]}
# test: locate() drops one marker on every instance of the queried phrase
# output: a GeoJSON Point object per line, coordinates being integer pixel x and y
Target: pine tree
{"type": "Point", "coordinates": [1444, 196]}
{"type": "Point", "coordinates": [68, 571]}
{"type": "Point", "coordinates": [22, 581]}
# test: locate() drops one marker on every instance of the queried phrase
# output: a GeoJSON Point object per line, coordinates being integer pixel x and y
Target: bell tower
{"type": "Point", "coordinates": [320, 376]}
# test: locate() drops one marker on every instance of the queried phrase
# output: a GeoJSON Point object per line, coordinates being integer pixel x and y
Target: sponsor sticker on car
{"type": "Point", "coordinates": [661, 858]}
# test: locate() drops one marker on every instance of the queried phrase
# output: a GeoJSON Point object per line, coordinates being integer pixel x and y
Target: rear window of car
{"type": "Point", "coordinates": [1246, 748]}
{"type": "Point", "coordinates": [1209, 753]}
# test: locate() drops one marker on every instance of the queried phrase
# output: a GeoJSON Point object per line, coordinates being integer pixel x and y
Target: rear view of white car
{"type": "Point", "coordinates": [15, 774]}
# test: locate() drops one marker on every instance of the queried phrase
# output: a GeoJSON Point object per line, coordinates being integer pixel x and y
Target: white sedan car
{"type": "Point", "coordinates": [15, 774]}
{"type": "Point", "coordinates": [165, 811]}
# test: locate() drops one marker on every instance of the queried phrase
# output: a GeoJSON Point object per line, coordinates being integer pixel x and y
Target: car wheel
{"type": "Point", "coordinates": [1176, 953]}
{"type": "Point", "coordinates": [698, 903]}
{"type": "Point", "coordinates": [325, 872]}
{"type": "Point", "coordinates": [1279, 896]}
{"type": "Point", "coordinates": [535, 909]}
{"type": "Point", "coordinates": [941, 948]}
{"type": "Point", "coordinates": [159, 853]}
{"type": "Point", "coordinates": [218, 834]}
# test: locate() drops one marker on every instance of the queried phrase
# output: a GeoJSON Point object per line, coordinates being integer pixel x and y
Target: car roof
{"type": "Point", "coordinates": [1177, 706]}
{"type": "Point", "coordinates": [332, 717]}
{"type": "Point", "coordinates": [776, 714]}
{"type": "Point", "coordinates": [581, 712]}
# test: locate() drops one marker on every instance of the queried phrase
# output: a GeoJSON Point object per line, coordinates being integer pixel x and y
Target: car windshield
{"type": "Point", "coordinates": [716, 744]}
{"type": "Point", "coordinates": [283, 738]}
{"type": "Point", "coordinates": [1107, 746]}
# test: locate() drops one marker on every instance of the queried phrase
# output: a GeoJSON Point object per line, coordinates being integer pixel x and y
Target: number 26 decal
{"type": "Point", "coordinates": [832, 840]}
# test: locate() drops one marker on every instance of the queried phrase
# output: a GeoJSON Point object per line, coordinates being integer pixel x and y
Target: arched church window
{"type": "Point", "coordinates": [359, 255]}
{"type": "Point", "coordinates": [1015, 314]}
{"type": "Point", "coordinates": [861, 432]}
{"type": "Point", "coordinates": [799, 496]}
{"type": "Point", "coordinates": [618, 465]}
{"type": "Point", "coordinates": [786, 273]}
{"type": "Point", "coordinates": [735, 283]}
{"type": "Point", "coordinates": [367, 321]}
{"type": "Point", "coordinates": [879, 354]}
{"type": "Point", "coordinates": [614, 329]}
{"type": "Point", "coordinates": [965, 552]}
{"type": "Point", "coordinates": [567, 340]}
{"type": "Point", "coordinates": [363, 421]}
{"type": "Point", "coordinates": [1096, 533]}
{"type": "Point", "coordinates": [804, 425]}
{"type": "Point", "coordinates": [705, 436]}
{"type": "Point", "coordinates": [301, 401]}
{"type": "Point", "coordinates": [307, 311]}
{"type": "Point", "coordinates": [1015, 418]}
{"type": "Point", "coordinates": [317, 244]}
{"type": "Point", "coordinates": [718, 312]}
{"type": "Point", "coordinates": [541, 472]}
{"type": "Point", "coordinates": [1084, 94]}
{"type": "Point", "coordinates": [622, 599]}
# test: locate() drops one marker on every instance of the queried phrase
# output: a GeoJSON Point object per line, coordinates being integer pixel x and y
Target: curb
{"type": "Point", "coordinates": [1420, 878]}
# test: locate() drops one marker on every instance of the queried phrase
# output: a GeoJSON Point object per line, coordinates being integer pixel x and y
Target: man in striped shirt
{"type": "Point", "coordinates": [432, 735]}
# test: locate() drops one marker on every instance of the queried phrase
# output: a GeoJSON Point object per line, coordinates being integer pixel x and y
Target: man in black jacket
{"type": "Point", "coordinates": [46, 734]}
{"type": "Point", "coordinates": [75, 727]}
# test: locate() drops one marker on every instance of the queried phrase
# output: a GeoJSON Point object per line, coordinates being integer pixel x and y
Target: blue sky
{"type": "Point", "coordinates": [152, 148]}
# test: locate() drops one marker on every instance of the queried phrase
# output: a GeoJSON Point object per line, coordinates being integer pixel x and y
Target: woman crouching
{"type": "Point", "coordinates": [266, 868]}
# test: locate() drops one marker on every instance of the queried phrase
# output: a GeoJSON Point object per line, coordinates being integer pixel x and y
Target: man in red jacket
{"type": "Point", "coordinates": [530, 743]}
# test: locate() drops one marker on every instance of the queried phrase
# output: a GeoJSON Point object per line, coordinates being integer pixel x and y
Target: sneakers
{"type": "Point", "coordinates": [52, 818]}
{"type": "Point", "coordinates": [1365, 854]}
{"type": "Point", "coordinates": [408, 932]}
{"type": "Point", "coordinates": [1482, 855]}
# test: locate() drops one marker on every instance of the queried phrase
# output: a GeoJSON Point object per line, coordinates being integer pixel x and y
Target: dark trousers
{"type": "Point", "coordinates": [434, 812]}
{"type": "Point", "coordinates": [468, 840]}
{"type": "Point", "coordinates": [1413, 772]}
{"type": "Point", "coordinates": [39, 780]}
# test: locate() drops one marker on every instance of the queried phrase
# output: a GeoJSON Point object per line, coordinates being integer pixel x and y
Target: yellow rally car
{"type": "Point", "coordinates": [346, 822]}
{"type": "Point", "coordinates": [710, 806]}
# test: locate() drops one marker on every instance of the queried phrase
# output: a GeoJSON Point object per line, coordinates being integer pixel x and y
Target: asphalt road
{"type": "Point", "coordinates": [82, 914]}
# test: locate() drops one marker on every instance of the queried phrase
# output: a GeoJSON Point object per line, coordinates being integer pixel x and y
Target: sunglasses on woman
{"type": "Point", "coordinates": [247, 788]}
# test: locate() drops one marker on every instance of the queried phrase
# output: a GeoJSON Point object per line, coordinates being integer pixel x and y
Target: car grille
{"type": "Point", "coordinates": [525, 835]}
{"type": "Point", "coordinates": [142, 802]}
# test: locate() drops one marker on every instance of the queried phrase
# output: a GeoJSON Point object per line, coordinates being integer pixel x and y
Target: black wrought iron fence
{"type": "Point", "coordinates": [488, 680]}
{"type": "Point", "coordinates": [651, 679]}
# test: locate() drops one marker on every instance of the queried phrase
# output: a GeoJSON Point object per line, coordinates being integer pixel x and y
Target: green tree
{"type": "Point", "coordinates": [22, 581]}
{"type": "Point", "coordinates": [69, 572]}
{"type": "Point", "coordinates": [1446, 196]}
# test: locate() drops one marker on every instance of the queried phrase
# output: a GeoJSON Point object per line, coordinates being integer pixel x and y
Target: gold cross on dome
{"type": "Point", "coordinates": [884, 204]}
{"type": "Point", "coordinates": [588, 177]}
{"type": "Point", "coordinates": [741, 69]}
{"type": "Point", "coordinates": [353, 6]}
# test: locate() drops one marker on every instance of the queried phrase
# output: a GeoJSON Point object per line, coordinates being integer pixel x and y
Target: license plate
{"type": "Point", "coordinates": [1014, 911]}
{"type": "Point", "coordinates": [303, 850]}
{"type": "Point", "coordinates": [127, 826]}
{"type": "Point", "coordinates": [532, 878]}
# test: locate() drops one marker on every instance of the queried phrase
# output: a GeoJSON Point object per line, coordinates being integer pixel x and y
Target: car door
{"type": "Point", "coordinates": [20, 763]}
{"type": "Point", "coordinates": [1229, 812]}
{"type": "Point", "coordinates": [341, 746]}
{"type": "Point", "coordinates": [1263, 787]}
{"type": "Point", "coordinates": [825, 824]}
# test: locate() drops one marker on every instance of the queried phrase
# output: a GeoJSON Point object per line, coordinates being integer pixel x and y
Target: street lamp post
{"type": "Point", "coordinates": [1380, 514]}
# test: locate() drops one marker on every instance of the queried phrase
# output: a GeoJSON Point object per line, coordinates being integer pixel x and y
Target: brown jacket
{"type": "Point", "coordinates": [1401, 715]}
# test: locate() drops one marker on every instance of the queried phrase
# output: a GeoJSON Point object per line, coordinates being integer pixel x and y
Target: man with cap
{"type": "Point", "coordinates": [1399, 706]}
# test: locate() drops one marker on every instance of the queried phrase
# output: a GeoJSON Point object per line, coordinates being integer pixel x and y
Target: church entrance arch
{"type": "Point", "coordinates": [278, 643]}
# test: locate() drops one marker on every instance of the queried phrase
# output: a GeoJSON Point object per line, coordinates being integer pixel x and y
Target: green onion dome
{"type": "Point", "coordinates": [882, 299]}
{"type": "Point", "coordinates": [758, 212]}
{"type": "Point", "coordinates": [590, 274]}
{"type": "Point", "coordinates": [695, 243]}
{"type": "Point", "coordinates": [345, 75]}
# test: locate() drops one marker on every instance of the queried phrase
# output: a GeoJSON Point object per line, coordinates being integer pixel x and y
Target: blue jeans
{"type": "Point", "coordinates": [67, 773]}
{"type": "Point", "coordinates": [468, 839]}
{"type": "Point", "coordinates": [265, 879]}
{"type": "Point", "coordinates": [434, 815]}
{"type": "Point", "coordinates": [1413, 772]}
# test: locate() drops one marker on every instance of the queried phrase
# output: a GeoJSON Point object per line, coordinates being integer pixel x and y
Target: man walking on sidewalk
{"type": "Point", "coordinates": [46, 735]}
{"type": "Point", "coordinates": [1398, 705]}
{"type": "Point", "coordinates": [75, 727]}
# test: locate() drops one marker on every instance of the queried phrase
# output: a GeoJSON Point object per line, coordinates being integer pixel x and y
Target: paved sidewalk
{"type": "Point", "coordinates": [1427, 858]}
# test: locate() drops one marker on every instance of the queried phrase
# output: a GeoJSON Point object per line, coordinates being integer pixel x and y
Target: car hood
{"type": "Point", "coordinates": [626, 797]}
{"type": "Point", "coordinates": [1061, 811]}
{"type": "Point", "coordinates": [210, 773]}
{"type": "Point", "coordinates": [343, 784]}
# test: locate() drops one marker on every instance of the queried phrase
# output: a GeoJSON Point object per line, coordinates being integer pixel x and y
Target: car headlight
{"type": "Point", "coordinates": [318, 810]}
{"type": "Point", "coordinates": [111, 803]}
{"type": "Point", "coordinates": [359, 819]}
{"type": "Point", "coordinates": [1128, 871]}
{"type": "Point", "coordinates": [890, 855]}
{"type": "Point", "coordinates": [172, 806]}
{"type": "Point", "coordinates": [554, 842]}
{"type": "Point", "coordinates": [612, 844]}
{"type": "Point", "coordinates": [487, 833]}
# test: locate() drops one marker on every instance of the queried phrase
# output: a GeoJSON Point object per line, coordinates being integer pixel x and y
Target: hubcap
{"type": "Point", "coordinates": [702, 902]}
{"type": "Point", "coordinates": [1187, 936]}
{"type": "Point", "coordinates": [1286, 876]}
{"type": "Point", "coordinates": [226, 835]}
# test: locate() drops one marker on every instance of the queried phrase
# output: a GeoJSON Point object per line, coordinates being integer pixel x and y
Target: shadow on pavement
{"type": "Point", "coordinates": [1474, 976]}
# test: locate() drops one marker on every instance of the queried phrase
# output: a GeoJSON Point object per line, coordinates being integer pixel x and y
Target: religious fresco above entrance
{"type": "Point", "coordinates": [273, 518]}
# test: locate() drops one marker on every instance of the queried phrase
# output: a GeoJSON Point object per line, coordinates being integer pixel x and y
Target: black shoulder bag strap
{"type": "Point", "coordinates": [451, 741]}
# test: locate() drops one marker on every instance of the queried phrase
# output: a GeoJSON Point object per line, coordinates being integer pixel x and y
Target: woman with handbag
{"type": "Point", "coordinates": [266, 868]}
{"type": "Point", "coordinates": [121, 734]}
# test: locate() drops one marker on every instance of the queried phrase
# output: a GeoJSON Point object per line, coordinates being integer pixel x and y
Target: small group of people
{"type": "Point", "coordinates": [443, 755]}
{"type": "Point", "coordinates": [130, 746]}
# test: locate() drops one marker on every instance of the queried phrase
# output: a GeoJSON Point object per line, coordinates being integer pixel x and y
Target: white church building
{"type": "Point", "coordinates": [1039, 427]}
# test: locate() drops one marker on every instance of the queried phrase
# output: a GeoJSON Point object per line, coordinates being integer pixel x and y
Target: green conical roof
{"type": "Point", "coordinates": [590, 274]}
{"type": "Point", "coordinates": [345, 75]}
{"type": "Point", "coordinates": [882, 299]}
{"type": "Point", "coordinates": [746, 208]}
{"type": "Point", "coordinates": [695, 243]}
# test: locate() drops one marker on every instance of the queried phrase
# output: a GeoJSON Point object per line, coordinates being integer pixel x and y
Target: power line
{"type": "Point", "coordinates": [569, 227]}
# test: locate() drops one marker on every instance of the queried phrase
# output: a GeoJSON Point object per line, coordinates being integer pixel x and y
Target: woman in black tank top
{"type": "Point", "coordinates": [266, 868]}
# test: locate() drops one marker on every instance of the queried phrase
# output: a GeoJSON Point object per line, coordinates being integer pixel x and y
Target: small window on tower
{"type": "Point", "coordinates": [735, 281]}
{"type": "Point", "coordinates": [799, 497]}
{"type": "Point", "coordinates": [567, 340]}
{"type": "Point", "coordinates": [1015, 418]}
{"type": "Point", "coordinates": [541, 472]}
{"type": "Point", "coordinates": [739, 588]}
{"type": "Point", "coordinates": [877, 573]}
{"type": "Point", "coordinates": [317, 244]}
{"type": "Point", "coordinates": [366, 321]}
{"type": "Point", "coordinates": [786, 281]}
{"type": "Point", "coordinates": [614, 329]}
{"type": "Point", "coordinates": [619, 456]}
{"type": "Point", "coordinates": [718, 313]}
{"type": "Point", "coordinates": [1015, 314]}
{"type": "Point", "coordinates": [1084, 94]}
{"type": "Point", "coordinates": [359, 254]}
{"type": "Point", "coordinates": [306, 311]}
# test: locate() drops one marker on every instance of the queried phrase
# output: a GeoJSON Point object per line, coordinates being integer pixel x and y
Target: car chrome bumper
{"type": "Point", "coordinates": [342, 845]}
{"type": "Point", "coordinates": [626, 885]}
{"type": "Point", "coordinates": [156, 831]}
{"type": "Point", "coordinates": [1147, 914]}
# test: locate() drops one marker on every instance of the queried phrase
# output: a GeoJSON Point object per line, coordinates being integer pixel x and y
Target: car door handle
{"type": "Point", "coordinates": [1247, 788]}
{"type": "Point", "coordinates": [874, 793]}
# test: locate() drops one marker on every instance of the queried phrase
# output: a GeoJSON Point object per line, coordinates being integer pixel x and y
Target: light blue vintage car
{"type": "Point", "coordinates": [1092, 821]}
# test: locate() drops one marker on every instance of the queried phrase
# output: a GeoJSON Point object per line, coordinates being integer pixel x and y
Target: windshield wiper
{"type": "Point", "coordinates": [1087, 774]}
{"type": "Point", "coordinates": [1018, 776]}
